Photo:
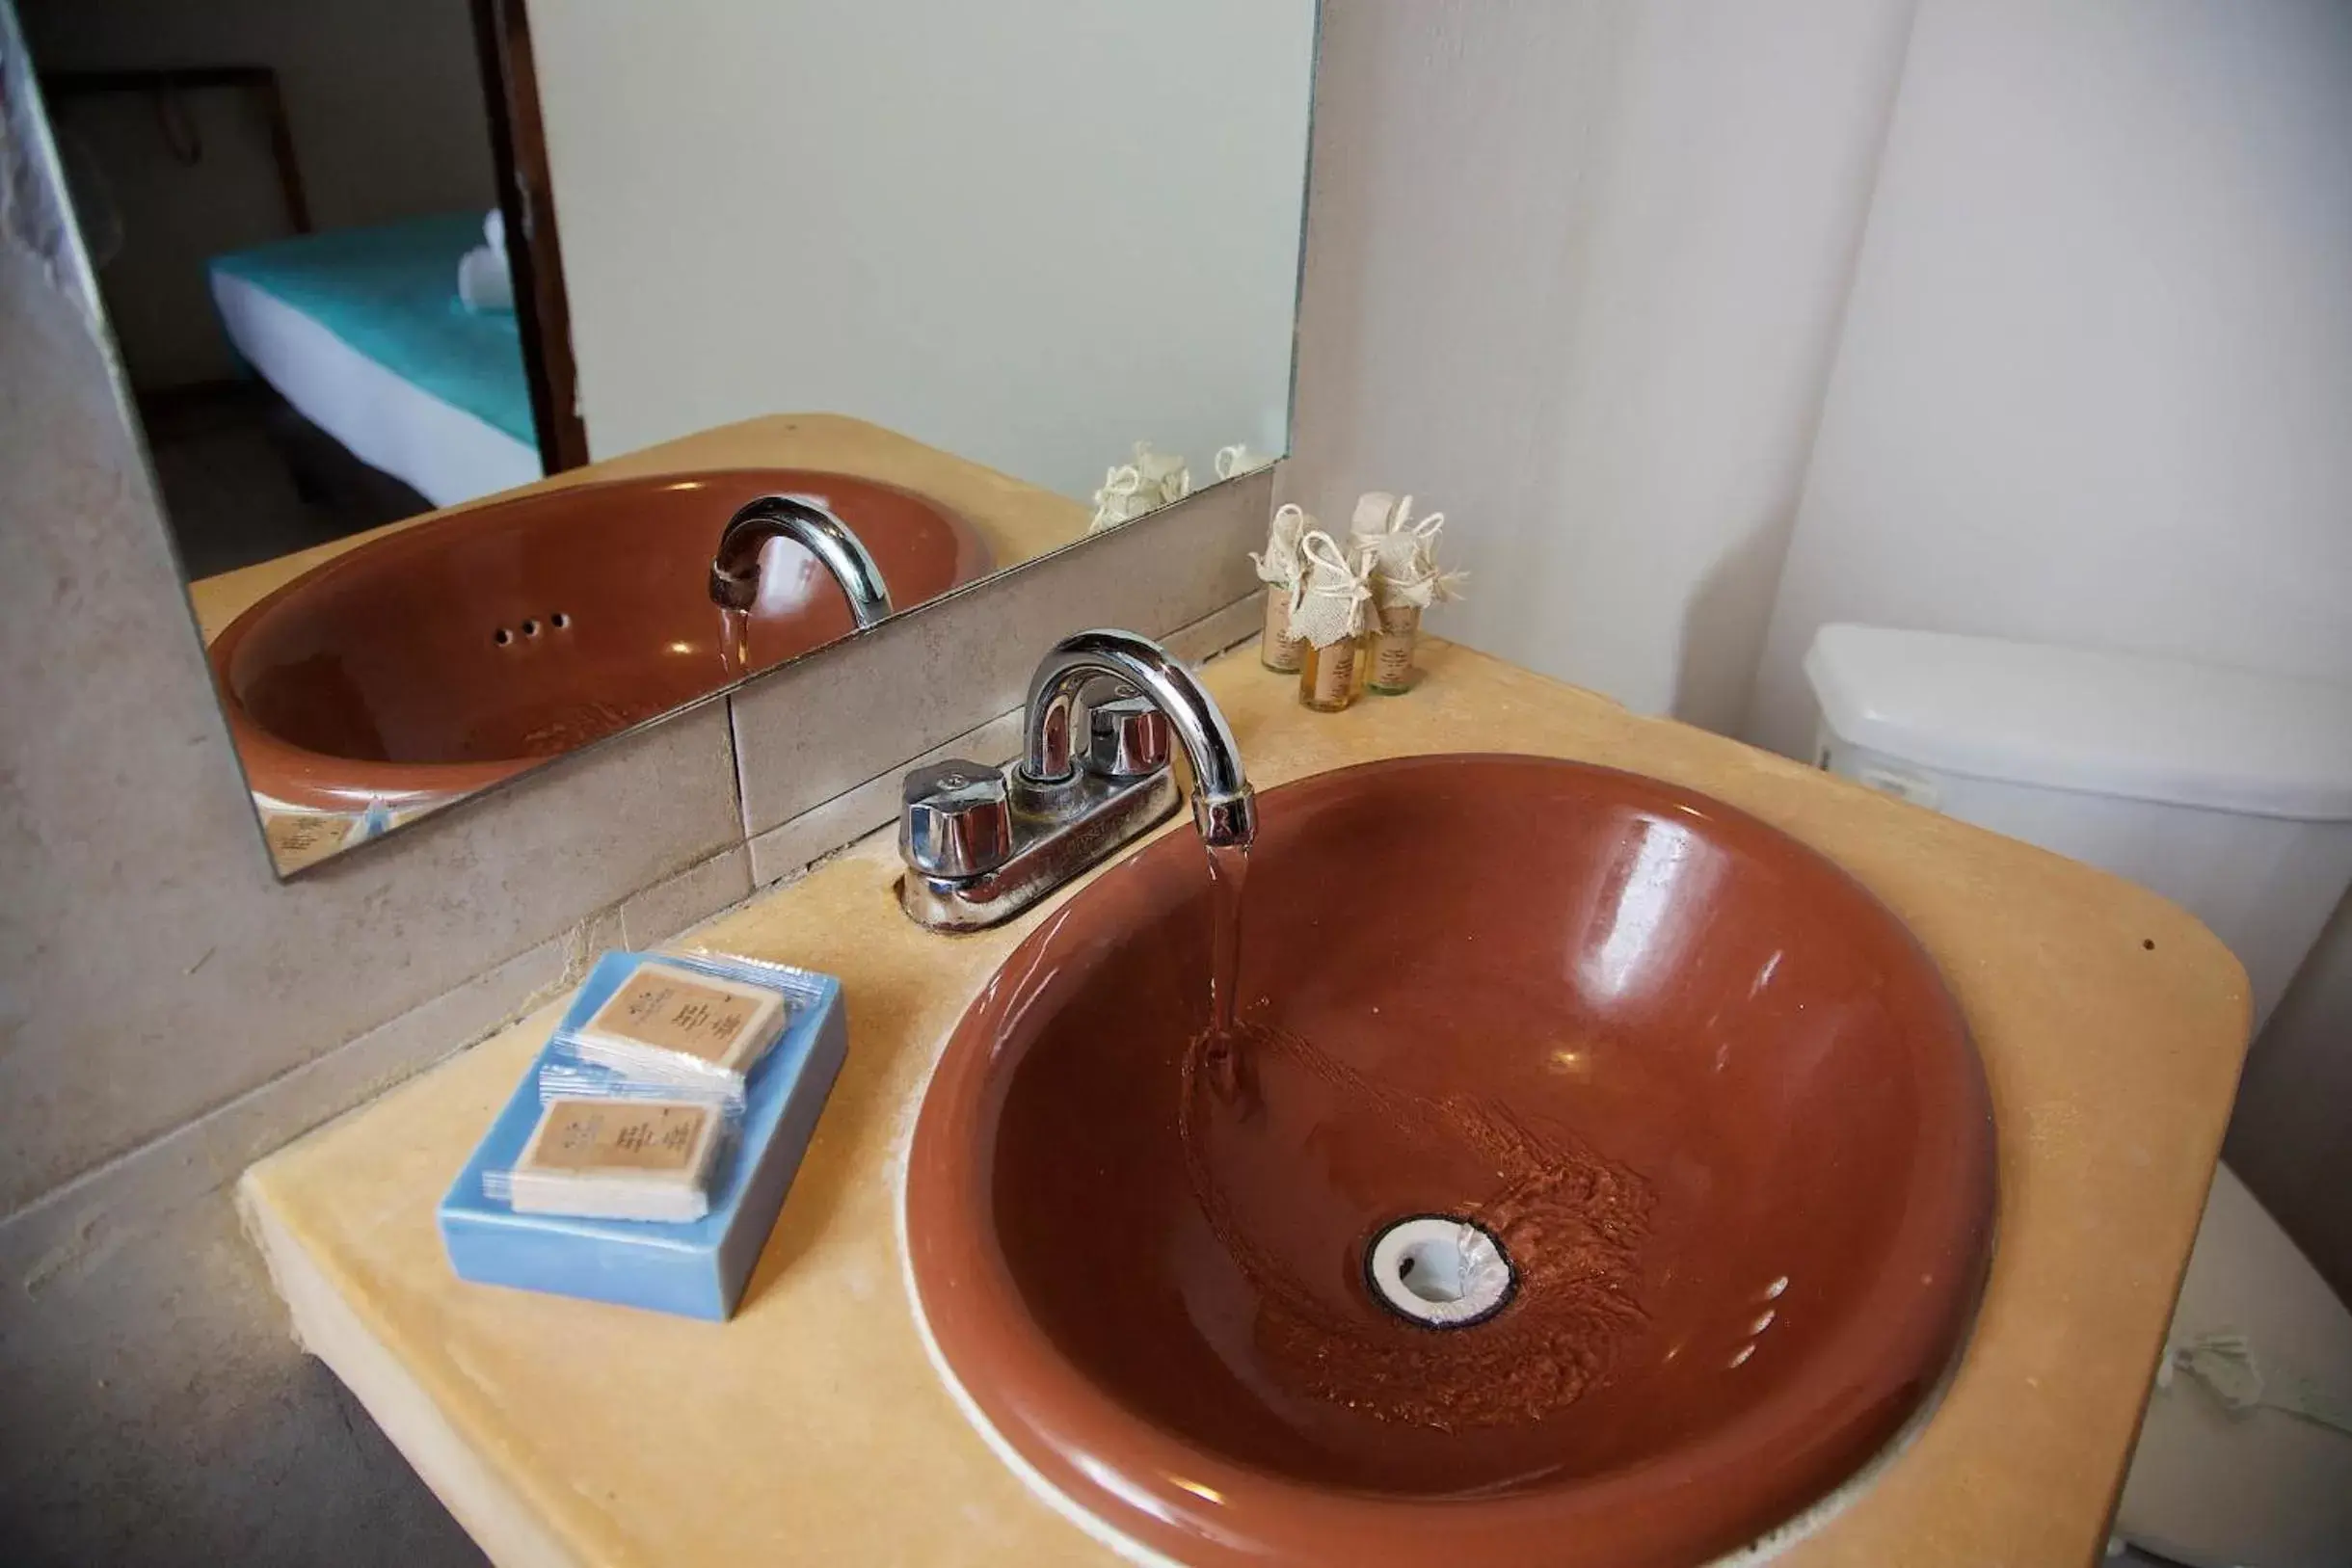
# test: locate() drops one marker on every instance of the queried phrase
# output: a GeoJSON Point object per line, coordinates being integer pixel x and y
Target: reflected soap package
{"type": "Point", "coordinates": [646, 1190]}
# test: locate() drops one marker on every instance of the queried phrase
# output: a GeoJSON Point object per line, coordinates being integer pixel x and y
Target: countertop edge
{"type": "Point", "coordinates": [496, 1515]}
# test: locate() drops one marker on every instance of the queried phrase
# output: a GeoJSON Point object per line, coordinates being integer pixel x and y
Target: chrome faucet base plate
{"type": "Point", "coordinates": [1060, 831]}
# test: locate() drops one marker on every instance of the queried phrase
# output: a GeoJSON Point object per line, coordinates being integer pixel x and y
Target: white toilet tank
{"type": "Point", "coordinates": [2227, 792]}
{"type": "Point", "coordinates": [2230, 793]}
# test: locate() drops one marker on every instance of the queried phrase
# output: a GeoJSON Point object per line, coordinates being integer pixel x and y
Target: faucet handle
{"type": "Point", "coordinates": [955, 819]}
{"type": "Point", "coordinates": [1128, 735]}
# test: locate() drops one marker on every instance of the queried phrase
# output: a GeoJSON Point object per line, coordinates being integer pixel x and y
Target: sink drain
{"type": "Point", "coordinates": [1440, 1272]}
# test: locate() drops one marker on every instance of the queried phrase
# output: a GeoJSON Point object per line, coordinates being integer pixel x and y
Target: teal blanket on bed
{"type": "Point", "coordinates": [390, 292]}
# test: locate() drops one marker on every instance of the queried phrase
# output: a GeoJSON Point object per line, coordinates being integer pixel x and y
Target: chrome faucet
{"type": "Point", "coordinates": [983, 844]}
{"type": "Point", "coordinates": [734, 571]}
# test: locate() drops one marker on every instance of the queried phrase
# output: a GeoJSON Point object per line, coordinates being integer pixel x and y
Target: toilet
{"type": "Point", "coordinates": [2230, 793]}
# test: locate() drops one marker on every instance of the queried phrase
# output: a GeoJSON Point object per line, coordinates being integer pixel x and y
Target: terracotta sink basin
{"type": "Point", "coordinates": [447, 656]}
{"type": "Point", "coordinates": [1706, 1102]}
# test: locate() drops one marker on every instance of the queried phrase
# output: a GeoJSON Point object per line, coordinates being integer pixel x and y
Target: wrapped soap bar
{"type": "Point", "coordinates": [699, 1023]}
{"type": "Point", "coordinates": [617, 1158]}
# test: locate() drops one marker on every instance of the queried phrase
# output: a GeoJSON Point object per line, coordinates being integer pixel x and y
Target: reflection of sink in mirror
{"type": "Point", "coordinates": [447, 656]}
{"type": "Point", "coordinates": [502, 280]}
{"type": "Point", "coordinates": [1596, 1176]}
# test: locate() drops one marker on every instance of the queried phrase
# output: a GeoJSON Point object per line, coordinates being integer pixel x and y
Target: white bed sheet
{"type": "Point", "coordinates": [441, 451]}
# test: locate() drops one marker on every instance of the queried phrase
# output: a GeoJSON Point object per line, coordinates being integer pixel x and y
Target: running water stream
{"type": "Point", "coordinates": [734, 642]}
{"type": "Point", "coordinates": [1228, 872]}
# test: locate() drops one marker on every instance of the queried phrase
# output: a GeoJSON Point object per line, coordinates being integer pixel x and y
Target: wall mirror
{"type": "Point", "coordinates": [460, 332]}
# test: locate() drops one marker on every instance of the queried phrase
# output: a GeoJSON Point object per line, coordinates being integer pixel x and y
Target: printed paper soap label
{"type": "Point", "coordinates": [675, 1011]}
{"type": "Point", "coordinates": [608, 1134]}
{"type": "Point", "coordinates": [298, 839]}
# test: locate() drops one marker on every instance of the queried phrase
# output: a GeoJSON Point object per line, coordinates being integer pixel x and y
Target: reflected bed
{"type": "Point", "coordinates": [361, 330]}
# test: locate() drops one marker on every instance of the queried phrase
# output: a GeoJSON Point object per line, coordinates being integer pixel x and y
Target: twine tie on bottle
{"type": "Point", "coordinates": [1402, 558]}
{"type": "Point", "coordinates": [1328, 603]}
{"type": "Point", "coordinates": [1279, 564]}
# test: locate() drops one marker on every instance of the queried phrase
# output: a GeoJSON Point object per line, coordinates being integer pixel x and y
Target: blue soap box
{"type": "Point", "coordinates": [696, 1269]}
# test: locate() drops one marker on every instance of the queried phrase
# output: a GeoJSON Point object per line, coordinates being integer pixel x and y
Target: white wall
{"type": "Point", "coordinates": [1573, 275]}
{"type": "Point", "coordinates": [2095, 383]}
{"type": "Point", "coordinates": [384, 98]}
{"type": "Point", "coordinates": [2095, 386]}
{"type": "Point", "coordinates": [1029, 233]}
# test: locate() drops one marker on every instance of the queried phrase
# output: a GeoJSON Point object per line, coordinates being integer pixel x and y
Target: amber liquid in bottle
{"type": "Point", "coordinates": [1328, 677]}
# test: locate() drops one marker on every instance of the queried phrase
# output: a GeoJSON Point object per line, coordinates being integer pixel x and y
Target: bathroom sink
{"type": "Point", "coordinates": [1595, 1175]}
{"type": "Point", "coordinates": [446, 656]}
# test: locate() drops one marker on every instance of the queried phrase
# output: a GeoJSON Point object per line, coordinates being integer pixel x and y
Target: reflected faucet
{"type": "Point", "coordinates": [983, 844]}
{"type": "Point", "coordinates": [734, 571]}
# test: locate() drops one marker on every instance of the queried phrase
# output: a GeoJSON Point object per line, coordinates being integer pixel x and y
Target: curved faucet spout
{"type": "Point", "coordinates": [1225, 808]}
{"type": "Point", "coordinates": [734, 570]}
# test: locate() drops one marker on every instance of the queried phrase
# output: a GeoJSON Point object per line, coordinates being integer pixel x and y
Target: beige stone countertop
{"type": "Point", "coordinates": [812, 1429]}
{"type": "Point", "coordinates": [1017, 519]}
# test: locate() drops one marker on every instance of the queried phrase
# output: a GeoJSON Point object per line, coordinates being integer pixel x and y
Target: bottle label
{"type": "Point", "coordinates": [619, 1134]}
{"type": "Point", "coordinates": [1278, 650]}
{"type": "Point", "coordinates": [1392, 644]}
{"type": "Point", "coordinates": [297, 839]}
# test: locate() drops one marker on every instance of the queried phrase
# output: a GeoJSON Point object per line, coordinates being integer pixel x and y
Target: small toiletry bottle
{"type": "Point", "coordinates": [1154, 479]}
{"type": "Point", "coordinates": [1166, 477]}
{"type": "Point", "coordinates": [1328, 614]}
{"type": "Point", "coordinates": [1233, 462]}
{"type": "Point", "coordinates": [1119, 500]}
{"type": "Point", "coordinates": [1402, 562]}
{"type": "Point", "coordinates": [1279, 650]}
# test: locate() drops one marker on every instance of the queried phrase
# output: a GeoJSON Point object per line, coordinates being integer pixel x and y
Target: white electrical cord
{"type": "Point", "coordinates": [2225, 1363]}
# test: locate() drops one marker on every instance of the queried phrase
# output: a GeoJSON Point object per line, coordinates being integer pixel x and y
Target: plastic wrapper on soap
{"type": "Point", "coordinates": [694, 1023]}
{"type": "Point", "coordinates": [569, 1078]}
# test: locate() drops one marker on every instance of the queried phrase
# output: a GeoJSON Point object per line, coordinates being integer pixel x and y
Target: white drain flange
{"type": "Point", "coordinates": [1440, 1272]}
